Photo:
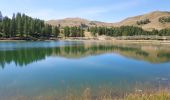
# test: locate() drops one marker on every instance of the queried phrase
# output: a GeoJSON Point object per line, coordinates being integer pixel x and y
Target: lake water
{"type": "Point", "coordinates": [47, 69]}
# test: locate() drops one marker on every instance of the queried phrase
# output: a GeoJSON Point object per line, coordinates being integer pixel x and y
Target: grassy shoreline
{"type": "Point", "coordinates": [87, 94]}
{"type": "Point", "coordinates": [94, 39]}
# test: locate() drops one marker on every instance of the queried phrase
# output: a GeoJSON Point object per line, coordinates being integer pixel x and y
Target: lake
{"type": "Point", "coordinates": [56, 68]}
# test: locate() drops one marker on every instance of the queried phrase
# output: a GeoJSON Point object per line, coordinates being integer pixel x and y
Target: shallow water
{"type": "Point", "coordinates": [54, 68]}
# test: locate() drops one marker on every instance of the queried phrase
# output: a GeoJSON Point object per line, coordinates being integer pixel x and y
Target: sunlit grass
{"type": "Point", "coordinates": [104, 94]}
{"type": "Point", "coordinates": [108, 95]}
{"type": "Point", "coordinates": [161, 95]}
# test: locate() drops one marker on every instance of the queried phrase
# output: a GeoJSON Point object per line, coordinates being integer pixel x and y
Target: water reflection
{"type": "Point", "coordinates": [28, 53]}
{"type": "Point", "coordinates": [50, 69]}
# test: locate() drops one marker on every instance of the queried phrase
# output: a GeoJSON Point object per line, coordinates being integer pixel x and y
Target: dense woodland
{"type": "Point", "coordinates": [73, 32]}
{"type": "Point", "coordinates": [126, 31]}
{"type": "Point", "coordinates": [23, 26]}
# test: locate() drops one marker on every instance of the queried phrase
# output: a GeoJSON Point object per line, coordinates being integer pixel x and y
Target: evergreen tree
{"type": "Point", "coordinates": [1, 17]}
{"type": "Point", "coordinates": [55, 31]}
{"type": "Point", "coordinates": [67, 31]}
{"type": "Point", "coordinates": [1, 24]}
{"type": "Point", "coordinates": [25, 26]}
{"type": "Point", "coordinates": [13, 26]}
{"type": "Point", "coordinates": [6, 27]}
{"type": "Point", "coordinates": [18, 24]}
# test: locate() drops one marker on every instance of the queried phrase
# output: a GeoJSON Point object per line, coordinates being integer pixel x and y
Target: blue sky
{"type": "Point", "coordinates": [101, 10]}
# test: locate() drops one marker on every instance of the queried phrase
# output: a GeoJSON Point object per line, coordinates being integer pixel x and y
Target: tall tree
{"type": "Point", "coordinates": [1, 17]}
{"type": "Point", "coordinates": [13, 26]}
{"type": "Point", "coordinates": [19, 24]}
{"type": "Point", "coordinates": [67, 31]}
{"type": "Point", "coordinates": [6, 27]}
{"type": "Point", "coordinates": [55, 31]}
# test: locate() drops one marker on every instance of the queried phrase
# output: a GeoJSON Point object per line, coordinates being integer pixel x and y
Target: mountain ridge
{"type": "Point", "coordinates": [153, 17]}
{"type": "Point", "coordinates": [77, 22]}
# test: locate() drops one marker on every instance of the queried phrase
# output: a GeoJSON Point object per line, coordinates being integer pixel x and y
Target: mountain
{"type": "Point", "coordinates": [77, 22]}
{"type": "Point", "coordinates": [152, 17]}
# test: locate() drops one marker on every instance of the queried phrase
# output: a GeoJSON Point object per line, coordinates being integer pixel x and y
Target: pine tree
{"type": "Point", "coordinates": [1, 17]}
{"type": "Point", "coordinates": [55, 31]}
{"type": "Point", "coordinates": [6, 27]}
{"type": "Point", "coordinates": [67, 31]}
{"type": "Point", "coordinates": [13, 26]}
{"type": "Point", "coordinates": [19, 23]}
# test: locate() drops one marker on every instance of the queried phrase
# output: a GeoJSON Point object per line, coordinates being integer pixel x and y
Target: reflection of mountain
{"type": "Point", "coordinates": [24, 56]}
{"type": "Point", "coordinates": [153, 54]}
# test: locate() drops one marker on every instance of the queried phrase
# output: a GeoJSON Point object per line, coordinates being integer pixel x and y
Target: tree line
{"type": "Point", "coordinates": [21, 25]}
{"type": "Point", "coordinates": [126, 31]}
{"type": "Point", "coordinates": [73, 31]}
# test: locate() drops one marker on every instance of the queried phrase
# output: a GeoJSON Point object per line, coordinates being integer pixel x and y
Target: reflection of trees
{"type": "Point", "coordinates": [24, 56]}
{"type": "Point", "coordinates": [165, 55]}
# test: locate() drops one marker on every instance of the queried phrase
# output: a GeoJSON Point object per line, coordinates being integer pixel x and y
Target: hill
{"type": "Point", "coordinates": [77, 22]}
{"type": "Point", "coordinates": [152, 17]}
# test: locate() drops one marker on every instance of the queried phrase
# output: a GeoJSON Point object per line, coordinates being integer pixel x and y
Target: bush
{"type": "Point", "coordinates": [164, 19]}
{"type": "Point", "coordinates": [142, 22]}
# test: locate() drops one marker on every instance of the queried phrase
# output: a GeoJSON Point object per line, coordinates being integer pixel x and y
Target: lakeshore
{"type": "Point", "coordinates": [100, 38]}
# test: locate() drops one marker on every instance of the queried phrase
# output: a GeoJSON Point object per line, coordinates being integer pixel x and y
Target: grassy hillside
{"type": "Point", "coordinates": [152, 17]}
{"type": "Point", "coordinates": [77, 22]}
